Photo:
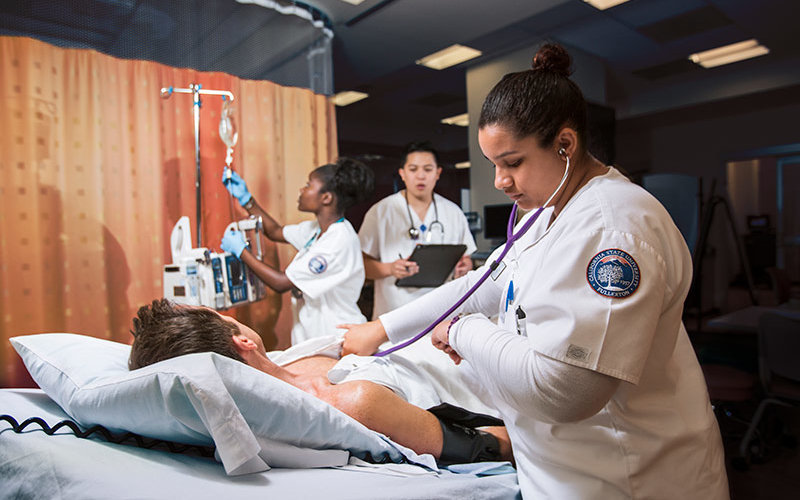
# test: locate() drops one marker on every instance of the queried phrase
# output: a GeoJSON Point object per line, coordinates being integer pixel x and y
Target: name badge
{"type": "Point", "coordinates": [498, 270]}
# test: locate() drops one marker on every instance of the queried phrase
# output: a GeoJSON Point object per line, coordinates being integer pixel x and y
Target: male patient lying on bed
{"type": "Point", "coordinates": [163, 330]}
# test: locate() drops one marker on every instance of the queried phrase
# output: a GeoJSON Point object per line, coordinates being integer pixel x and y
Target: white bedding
{"type": "Point", "coordinates": [255, 421]}
{"type": "Point", "coordinates": [34, 465]}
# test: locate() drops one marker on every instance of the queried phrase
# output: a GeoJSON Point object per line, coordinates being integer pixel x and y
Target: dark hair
{"type": "Point", "coordinates": [420, 147]}
{"type": "Point", "coordinates": [539, 101]}
{"type": "Point", "coordinates": [163, 330]}
{"type": "Point", "coordinates": [350, 180]}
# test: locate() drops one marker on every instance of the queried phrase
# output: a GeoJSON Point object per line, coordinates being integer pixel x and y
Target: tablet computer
{"type": "Point", "coordinates": [436, 262]}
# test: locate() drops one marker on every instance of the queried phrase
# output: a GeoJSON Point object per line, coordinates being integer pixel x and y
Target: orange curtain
{"type": "Point", "coordinates": [96, 169]}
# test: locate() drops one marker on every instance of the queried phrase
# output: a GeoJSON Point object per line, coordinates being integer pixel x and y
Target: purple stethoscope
{"type": "Point", "coordinates": [511, 237]}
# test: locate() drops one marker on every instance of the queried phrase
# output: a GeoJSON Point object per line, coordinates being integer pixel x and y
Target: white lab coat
{"type": "Point", "coordinates": [329, 270]}
{"type": "Point", "coordinates": [384, 236]}
{"type": "Point", "coordinates": [657, 437]}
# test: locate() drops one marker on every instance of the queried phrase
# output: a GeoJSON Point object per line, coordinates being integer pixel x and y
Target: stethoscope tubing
{"type": "Point", "coordinates": [511, 237]}
{"type": "Point", "coordinates": [415, 233]}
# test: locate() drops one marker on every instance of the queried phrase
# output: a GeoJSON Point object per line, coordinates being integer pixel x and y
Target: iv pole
{"type": "Point", "coordinates": [196, 89]}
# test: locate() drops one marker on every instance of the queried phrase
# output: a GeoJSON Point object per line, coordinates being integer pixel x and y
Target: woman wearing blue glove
{"type": "Point", "coordinates": [327, 273]}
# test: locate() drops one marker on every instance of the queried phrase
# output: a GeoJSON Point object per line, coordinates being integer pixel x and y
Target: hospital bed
{"type": "Point", "coordinates": [275, 442]}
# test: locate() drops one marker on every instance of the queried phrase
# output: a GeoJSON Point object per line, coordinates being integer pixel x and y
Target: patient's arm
{"type": "Point", "coordinates": [378, 407]}
{"type": "Point", "coordinates": [375, 406]}
{"type": "Point", "coordinates": [381, 410]}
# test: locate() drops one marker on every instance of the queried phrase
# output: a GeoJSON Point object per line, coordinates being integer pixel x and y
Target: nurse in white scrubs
{"type": "Point", "coordinates": [326, 275]}
{"type": "Point", "coordinates": [589, 363]}
{"type": "Point", "coordinates": [396, 224]}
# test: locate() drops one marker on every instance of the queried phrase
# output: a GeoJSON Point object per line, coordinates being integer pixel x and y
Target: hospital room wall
{"type": "Point", "coordinates": [97, 168]}
{"type": "Point", "coordinates": [699, 141]}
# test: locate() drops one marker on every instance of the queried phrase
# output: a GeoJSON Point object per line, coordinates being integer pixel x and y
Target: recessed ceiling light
{"type": "Point", "coordinates": [346, 97]}
{"type": "Point", "coordinates": [461, 120]}
{"type": "Point", "coordinates": [452, 55]}
{"type": "Point", "coordinates": [729, 53]}
{"type": "Point", "coordinates": [604, 4]}
{"type": "Point", "coordinates": [463, 164]}
{"type": "Point", "coordinates": [354, 2]}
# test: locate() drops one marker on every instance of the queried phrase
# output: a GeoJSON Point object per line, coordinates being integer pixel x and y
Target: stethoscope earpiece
{"type": "Point", "coordinates": [413, 233]}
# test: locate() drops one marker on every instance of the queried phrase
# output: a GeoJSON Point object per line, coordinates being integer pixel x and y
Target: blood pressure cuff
{"type": "Point", "coordinates": [461, 442]}
{"type": "Point", "coordinates": [448, 413]}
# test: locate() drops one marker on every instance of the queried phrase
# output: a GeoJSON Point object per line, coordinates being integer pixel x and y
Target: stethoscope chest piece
{"type": "Point", "coordinates": [413, 232]}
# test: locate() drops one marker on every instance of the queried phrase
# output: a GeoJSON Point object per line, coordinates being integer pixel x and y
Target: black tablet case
{"type": "Point", "coordinates": [436, 262]}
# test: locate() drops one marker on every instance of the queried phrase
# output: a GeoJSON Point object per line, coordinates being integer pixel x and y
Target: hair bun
{"type": "Point", "coordinates": [553, 58]}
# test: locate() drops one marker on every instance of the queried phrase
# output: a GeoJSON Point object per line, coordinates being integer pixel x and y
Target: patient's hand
{"type": "Point", "coordinates": [363, 339]}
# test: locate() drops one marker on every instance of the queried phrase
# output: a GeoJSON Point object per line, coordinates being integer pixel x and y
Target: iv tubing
{"type": "Point", "coordinates": [196, 90]}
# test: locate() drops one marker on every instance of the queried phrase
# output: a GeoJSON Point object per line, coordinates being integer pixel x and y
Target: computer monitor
{"type": "Point", "coordinates": [495, 221]}
{"type": "Point", "coordinates": [758, 223]}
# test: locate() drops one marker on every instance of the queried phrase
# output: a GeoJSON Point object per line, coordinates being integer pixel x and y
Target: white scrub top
{"type": "Point", "coordinates": [384, 236]}
{"type": "Point", "coordinates": [602, 288]}
{"type": "Point", "coordinates": [329, 270]}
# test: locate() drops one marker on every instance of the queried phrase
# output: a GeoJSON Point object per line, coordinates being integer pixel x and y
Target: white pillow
{"type": "Point", "coordinates": [252, 418]}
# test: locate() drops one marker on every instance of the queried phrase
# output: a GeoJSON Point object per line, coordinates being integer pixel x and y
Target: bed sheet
{"type": "Point", "coordinates": [35, 465]}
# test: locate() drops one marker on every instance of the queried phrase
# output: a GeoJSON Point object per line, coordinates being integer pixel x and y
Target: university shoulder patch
{"type": "Point", "coordinates": [317, 264]}
{"type": "Point", "coordinates": [613, 273]}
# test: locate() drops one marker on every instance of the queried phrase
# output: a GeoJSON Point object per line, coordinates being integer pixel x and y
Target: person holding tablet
{"type": "Point", "coordinates": [396, 224]}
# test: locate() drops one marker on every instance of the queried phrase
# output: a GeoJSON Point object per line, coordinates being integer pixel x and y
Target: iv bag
{"type": "Point", "coordinates": [227, 125]}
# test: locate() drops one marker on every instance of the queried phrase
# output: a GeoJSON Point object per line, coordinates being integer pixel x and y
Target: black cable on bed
{"type": "Point", "coordinates": [141, 441]}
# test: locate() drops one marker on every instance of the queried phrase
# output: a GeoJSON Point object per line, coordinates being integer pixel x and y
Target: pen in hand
{"type": "Point", "coordinates": [401, 257]}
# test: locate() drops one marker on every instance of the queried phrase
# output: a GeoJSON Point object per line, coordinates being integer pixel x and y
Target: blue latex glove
{"type": "Point", "coordinates": [236, 186]}
{"type": "Point", "coordinates": [234, 242]}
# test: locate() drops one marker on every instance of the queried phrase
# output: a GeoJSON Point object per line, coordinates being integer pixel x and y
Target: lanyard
{"type": "Point", "coordinates": [316, 235]}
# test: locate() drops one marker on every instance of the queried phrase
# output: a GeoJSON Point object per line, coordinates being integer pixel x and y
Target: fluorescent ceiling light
{"type": "Point", "coordinates": [346, 97]}
{"type": "Point", "coordinates": [604, 4]}
{"type": "Point", "coordinates": [461, 120]}
{"type": "Point", "coordinates": [729, 53]}
{"type": "Point", "coordinates": [463, 164]}
{"type": "Point", "coordinates": [452, 55]}
{"type": "Point", "coordinates": [354, 2]}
